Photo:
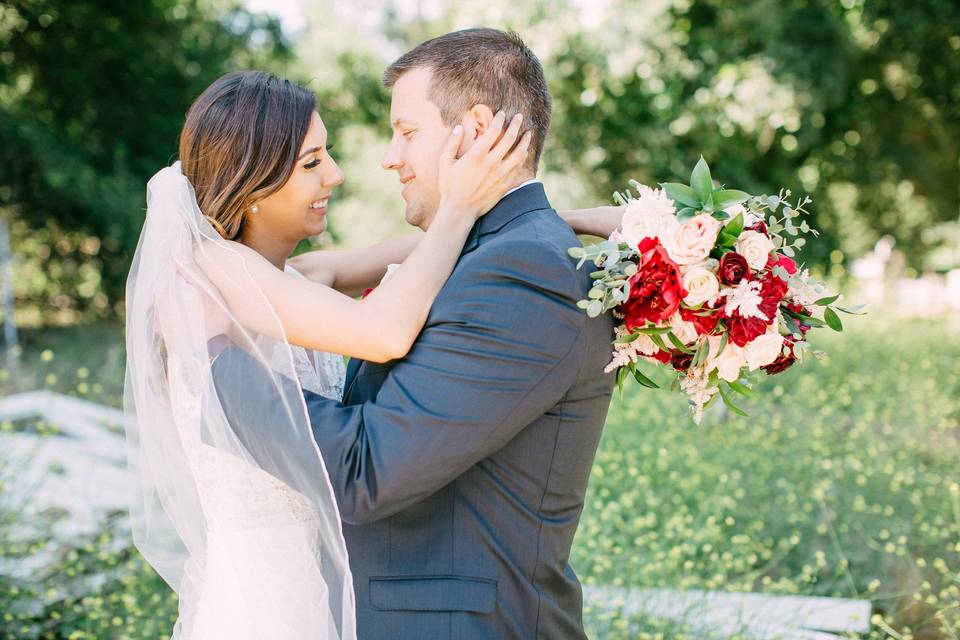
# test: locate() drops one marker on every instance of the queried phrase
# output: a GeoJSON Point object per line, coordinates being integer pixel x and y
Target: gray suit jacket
{"type": "Point", "coordinates": [460, 470]}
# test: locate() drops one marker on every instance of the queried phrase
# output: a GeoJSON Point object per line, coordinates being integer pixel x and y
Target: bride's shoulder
{"type": "Point", "coordinates": [226, 253]}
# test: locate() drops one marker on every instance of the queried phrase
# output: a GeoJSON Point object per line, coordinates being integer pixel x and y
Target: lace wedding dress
{"type": "Point", "coordinates": [239, 519]}
{"type": "Point", "coordinates": [259, 578]}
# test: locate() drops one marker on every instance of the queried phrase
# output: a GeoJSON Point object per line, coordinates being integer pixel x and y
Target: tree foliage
{"type": "Point", "coordinates": [92, 98]}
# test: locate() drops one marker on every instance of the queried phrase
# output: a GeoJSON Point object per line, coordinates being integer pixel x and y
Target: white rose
{"type": "Point", "coordinates": [728, 363]}
{"type": "Point", "coordinates": [736, 210]}
{"type": "Point", "coordinates": [692, 241]}
{"type": "Point", "coordinates": [763, 349]}
{"type": "Point", "coordinates": [755, 247]}
{"type": "Point", "coordinates": [649, 216]}
{"type": "Point", "coordinates": [701, 285]}
{"type": "Point", "coordinates": [684, 330]}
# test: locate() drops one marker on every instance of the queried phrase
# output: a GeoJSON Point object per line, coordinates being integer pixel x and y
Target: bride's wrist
{"type": "Point", "coordinates": [452, 217]}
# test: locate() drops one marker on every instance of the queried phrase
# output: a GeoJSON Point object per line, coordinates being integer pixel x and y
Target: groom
{"type": "Point", "coordinates": [460, 470]}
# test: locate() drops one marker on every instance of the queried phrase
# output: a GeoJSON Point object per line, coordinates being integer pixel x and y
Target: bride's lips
{"type": "Point", "coordinates": [318, 206]}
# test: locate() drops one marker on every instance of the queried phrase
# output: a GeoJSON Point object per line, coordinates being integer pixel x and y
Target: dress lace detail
{"type": "Point", "coordinates": [263, 542]}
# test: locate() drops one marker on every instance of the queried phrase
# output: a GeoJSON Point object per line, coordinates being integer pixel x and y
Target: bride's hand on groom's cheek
{"type": "Point", "coordinates": [475, 182]}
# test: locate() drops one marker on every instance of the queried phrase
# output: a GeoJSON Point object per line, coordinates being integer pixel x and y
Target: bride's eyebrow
{"type": "Point", "coordinates": [308, 152]}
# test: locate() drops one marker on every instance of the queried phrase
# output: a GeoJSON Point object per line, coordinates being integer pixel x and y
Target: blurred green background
{"type": "Point", "coordinates": [844, 482]}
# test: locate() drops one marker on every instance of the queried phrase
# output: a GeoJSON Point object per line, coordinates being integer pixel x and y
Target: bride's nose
{"type": "Point", "coordinates": [333, 177]}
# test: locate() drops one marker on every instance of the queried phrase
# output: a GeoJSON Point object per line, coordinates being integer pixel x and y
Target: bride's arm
{"type": "Point", "coordinates": [597, 221]}
{"type": "Point", "coordinates": [353, 271]}
{"type": "Point", "coordinates": [383, 325]}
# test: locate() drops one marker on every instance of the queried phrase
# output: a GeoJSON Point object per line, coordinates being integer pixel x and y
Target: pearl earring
{"type": "Point", "coordinates": [254, 209]}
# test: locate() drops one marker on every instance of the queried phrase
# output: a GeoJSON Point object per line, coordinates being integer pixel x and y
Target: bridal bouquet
{"type": "Point", "coordinates": [703, 280]}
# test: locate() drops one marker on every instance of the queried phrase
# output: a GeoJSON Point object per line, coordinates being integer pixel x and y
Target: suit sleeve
{"type": "Point", "coordinates": [489, 361]}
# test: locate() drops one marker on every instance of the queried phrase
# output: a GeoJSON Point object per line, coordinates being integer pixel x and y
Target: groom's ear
{"type": "Point", "coordinates": [480, 117]}
{"type": "Point", "coordinates": [475, 121]}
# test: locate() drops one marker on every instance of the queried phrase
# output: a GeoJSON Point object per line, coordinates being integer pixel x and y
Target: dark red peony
{"type": "Point", "coordinates": [656, 290]}
{"type": "Point", "coordinates": [733, 268]}
{"type": "Point", "coordinates": [743, 330]}
{"type": "Point", "coordinates": [786, 360]}
{"type": "Point", "coordinates": [681, 361]}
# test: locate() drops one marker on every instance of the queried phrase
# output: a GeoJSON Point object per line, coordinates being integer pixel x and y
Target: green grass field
{"type": "Point", "coordinates": [844, 481]}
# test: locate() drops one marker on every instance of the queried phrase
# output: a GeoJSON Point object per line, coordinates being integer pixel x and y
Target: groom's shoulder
{"type": "Point", "coordinates": [531, 249]}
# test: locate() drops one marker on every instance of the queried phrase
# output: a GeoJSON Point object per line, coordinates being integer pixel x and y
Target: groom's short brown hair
{"type": "Point", "coordinates": [483, 66]}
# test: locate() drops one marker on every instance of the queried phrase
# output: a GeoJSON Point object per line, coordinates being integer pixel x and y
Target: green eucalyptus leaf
{"type": "Point", "coordinates": [724, 198]}
{"type": "Point", "coordinates": [681, 194]}
{"type": "Point", "coordinates": [832, 319]}
{"type": "Point", "coordinates": [730, 405]}
{"type": "Point", "coordinates": [644, 380]}
{"type": "Point", "coordinates": [700, 181]}
{"type": "Point", "coordinates": [576, 252]}
{"type": "Point", "coordinates": [582, 304]}
{"type": "Point", "coordinates": [657, 340]}
{"type": "Point", "coordinates": [595, 308]}
{"type": "Point", "coordinates": [723, 343]}
{"type": "Point", "coordinates": [735, 227]}
{"type": "Point", "coordinates": [650, 331]}
{"type": "Point", "coordinates": [677, 343]}
{"type": "Point", "coordinates": [742, 389]}
{"type": "Point", "coordinates": [854, 311]}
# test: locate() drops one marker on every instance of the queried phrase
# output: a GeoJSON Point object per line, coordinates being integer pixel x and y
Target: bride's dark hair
{"type": "Point", "coordinates": [240, 143]}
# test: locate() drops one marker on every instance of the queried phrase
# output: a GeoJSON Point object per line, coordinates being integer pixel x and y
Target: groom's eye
{"type": "Point", "coordinates": [407, 134]}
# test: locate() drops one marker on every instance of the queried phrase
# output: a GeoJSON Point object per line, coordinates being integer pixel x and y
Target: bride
{"type": "Point", "coordinates": [248, 533]}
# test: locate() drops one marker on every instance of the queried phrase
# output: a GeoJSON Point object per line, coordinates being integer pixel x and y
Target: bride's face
{"type": "Point", "coordinates": [299, 208]}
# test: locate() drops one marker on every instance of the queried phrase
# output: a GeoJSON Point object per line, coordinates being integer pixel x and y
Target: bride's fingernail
{"type": "Point", "coordinates": [518, 117]}
{"type": "Point", "coordinates": [457, 129]}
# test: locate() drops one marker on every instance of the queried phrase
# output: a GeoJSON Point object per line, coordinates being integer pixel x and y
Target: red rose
{"type": "Point", "coordinates": [743, 330]}
{"type": "Point", "coordinates": [656, 290]}
{"type": "Point", "coordinates": [799, 308]}
{"type": "Point", "coordinates": [733, 268]}
{"type": "Point", "coordinates": [778, 259]}
{"type": "Point", "coordinates": [785, 361]}
{"type": "Point", "coordinates": [703, 324]}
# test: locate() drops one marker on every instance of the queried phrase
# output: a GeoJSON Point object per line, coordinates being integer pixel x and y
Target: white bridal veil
{"type": "Point", "coordinates": [241, 522]}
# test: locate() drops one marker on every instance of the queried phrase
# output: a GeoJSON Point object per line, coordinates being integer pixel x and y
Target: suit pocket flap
{"type": "Point", "coordinates": [433, 593]}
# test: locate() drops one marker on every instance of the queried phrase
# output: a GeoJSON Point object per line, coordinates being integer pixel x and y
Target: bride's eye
{"type": "Point", "coordinates": [316, 161]}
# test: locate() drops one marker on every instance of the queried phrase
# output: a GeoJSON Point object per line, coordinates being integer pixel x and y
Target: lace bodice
{"type": "Point", "coordinates": [237, 494]}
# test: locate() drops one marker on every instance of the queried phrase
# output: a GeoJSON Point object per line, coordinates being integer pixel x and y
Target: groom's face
{"type": "Point", "coordinates": [418, 137]}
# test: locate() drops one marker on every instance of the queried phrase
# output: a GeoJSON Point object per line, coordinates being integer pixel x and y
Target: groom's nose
{"type": "Point", "coordinates": [391, 158]}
